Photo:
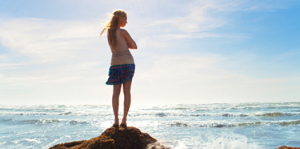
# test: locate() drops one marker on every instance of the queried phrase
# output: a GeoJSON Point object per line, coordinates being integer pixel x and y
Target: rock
{"type": "Point", "coordinates": [288, 147]}
{"type": "Point", "coordinates": [115, 138]}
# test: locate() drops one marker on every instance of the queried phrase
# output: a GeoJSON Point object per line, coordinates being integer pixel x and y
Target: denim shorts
{"type": "Point", "coordinates": [119, 74]}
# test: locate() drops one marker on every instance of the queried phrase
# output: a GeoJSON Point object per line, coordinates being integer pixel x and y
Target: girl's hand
{"type": "Point", "coordinates": [130, 42]}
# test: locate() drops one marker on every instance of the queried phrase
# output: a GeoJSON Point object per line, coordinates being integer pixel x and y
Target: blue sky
{"type": "Point", "coordinates": [197, 51]}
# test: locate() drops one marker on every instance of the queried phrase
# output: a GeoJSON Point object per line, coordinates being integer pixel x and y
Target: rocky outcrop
{"type": "Point", "coordinates": [115, 138]}
{"type": "Point", "coordinates": [288, 147]}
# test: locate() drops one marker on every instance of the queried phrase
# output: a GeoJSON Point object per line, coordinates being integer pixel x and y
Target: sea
{"type": "Point", "coordinates": [178, 126]}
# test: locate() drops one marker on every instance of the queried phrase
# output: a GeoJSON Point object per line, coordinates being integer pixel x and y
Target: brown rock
{"type": "Point", "coordinates": [288, 147]}
{"type": "Point", "coordinates": [114, 138]}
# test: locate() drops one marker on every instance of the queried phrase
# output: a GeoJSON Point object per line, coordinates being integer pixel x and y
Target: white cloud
{"type": "Point", "coordinates": [189, 35]}
{"type": "Point", "coordinates": [195, 78]}
{"type": "Point", "coordinates": [287, 55]}
{"type": "Point", "coordinates": [200, 18]}
{"type": "Point", "coordinates": [3, 58]}
{"type": "Point", "coordinates": [196, 21]}
{"type": "Point", "coordinates": [68, 63]}
{"type": "Point", "coordinates": [49, 40]}
{"type": "Point", "coordinates": [185, 78]}
{"type": "Point", "coordinates": [10, 65]}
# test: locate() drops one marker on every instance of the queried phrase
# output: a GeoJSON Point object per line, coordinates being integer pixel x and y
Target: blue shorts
{"type": "Point", "coordinates": [119, 74]}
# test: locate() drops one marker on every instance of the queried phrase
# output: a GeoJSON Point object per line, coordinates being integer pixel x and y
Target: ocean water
{"type": "Point", "coordinates": [181, 126]}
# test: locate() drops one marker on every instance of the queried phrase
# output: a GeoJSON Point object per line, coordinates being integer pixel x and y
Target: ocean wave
{"type": "Point", "coordinates": [74, 122]}
{"type": "Point", "coordinates": [237, 124]}
{"type": "Point", "coordinates": [45, 121]}
{"type": "Point", "coordinates": [68, 113]}
{"type": "Point", "coordinates": [6, 119]}
{"type": "Point", "coordinates": [86, 110]}
{"type": "Point", "coordinates": [282, 123]}
{"type": "Point", "coordinates": [227, 114]}
{"type": "Point", "coordinates": [2, 143]}
{"type": "Point", "coordinates": [224, 106]}
{"type": "Point", "coordinates": [52, 108]}
{"type": "Point", "coordinates": [27, 113]}
{"type": "Point", "coordinates": [159, 114]}
{"type": "Point", "coordinates": [275, 114]}
{"type": "Point", "coordinates": [39, 121]}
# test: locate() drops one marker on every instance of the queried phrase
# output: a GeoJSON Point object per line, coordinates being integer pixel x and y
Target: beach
{"type": "Point", "coordinates": [190, 126]}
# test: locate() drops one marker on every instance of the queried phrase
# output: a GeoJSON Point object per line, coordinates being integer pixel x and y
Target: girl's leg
{"type": "Point", "coordinates": [115, 102]}
{"type": "Point", "coordinates": [127, 99]}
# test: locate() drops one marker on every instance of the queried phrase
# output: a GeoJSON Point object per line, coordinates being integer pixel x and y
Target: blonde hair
{"type": "Point", "coordinates": [112, 26]}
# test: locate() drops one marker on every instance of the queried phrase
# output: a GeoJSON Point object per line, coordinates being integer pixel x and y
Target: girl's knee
{"type": "Point", "coordinates": [127, 95]}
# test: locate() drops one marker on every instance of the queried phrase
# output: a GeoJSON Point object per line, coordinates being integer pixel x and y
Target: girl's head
{"type": "Point", "coordinates": [118, 19]}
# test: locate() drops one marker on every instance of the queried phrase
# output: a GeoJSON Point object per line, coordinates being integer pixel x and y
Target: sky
{"type": "Point", "coordinates": [189, 52]}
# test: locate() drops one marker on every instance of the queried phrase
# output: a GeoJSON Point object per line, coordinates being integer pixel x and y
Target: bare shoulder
{"type": "Point", "coordinates": [124, 32]}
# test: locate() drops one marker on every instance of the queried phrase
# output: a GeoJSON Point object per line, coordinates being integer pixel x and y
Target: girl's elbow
{"type": "Point", "coordinates": [134, 46]}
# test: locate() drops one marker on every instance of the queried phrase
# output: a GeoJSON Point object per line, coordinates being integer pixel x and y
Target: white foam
{"type": "Point", "coordinates": [228, 140]}
{"type": "Point", "coordinates": [32, 140]}
{"type": "Point", "coordinates": [222, 139]}
{"type": "Point", "coordinates": [2, 143]}
{"type": "Point", "coordinates": [156, 145]}
{"type": "Point", "coordinates": [106, 124]}
{"type": "Point", "coordinates": [180, 145]}
{"type": "Point", "coordinates": [16, 141]}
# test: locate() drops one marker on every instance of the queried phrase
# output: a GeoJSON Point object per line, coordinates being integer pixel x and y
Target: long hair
{"type": "Point", "coordinates": [112, 26]}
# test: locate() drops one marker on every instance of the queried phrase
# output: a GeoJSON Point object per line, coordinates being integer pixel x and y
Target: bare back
{"type": "Point", "coordinates": [121, 53]}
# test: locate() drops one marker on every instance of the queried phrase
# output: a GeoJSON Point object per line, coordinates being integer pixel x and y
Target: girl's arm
{"type": "Point", "coordinates": [130, 41]}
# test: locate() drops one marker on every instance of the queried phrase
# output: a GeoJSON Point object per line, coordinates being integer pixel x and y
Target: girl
{"type": "Point", "coordinates": [122, 65]}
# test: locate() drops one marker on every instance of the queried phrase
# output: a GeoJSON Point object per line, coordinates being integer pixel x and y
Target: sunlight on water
{"type": "Point", "coordinates": [191, 126]}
